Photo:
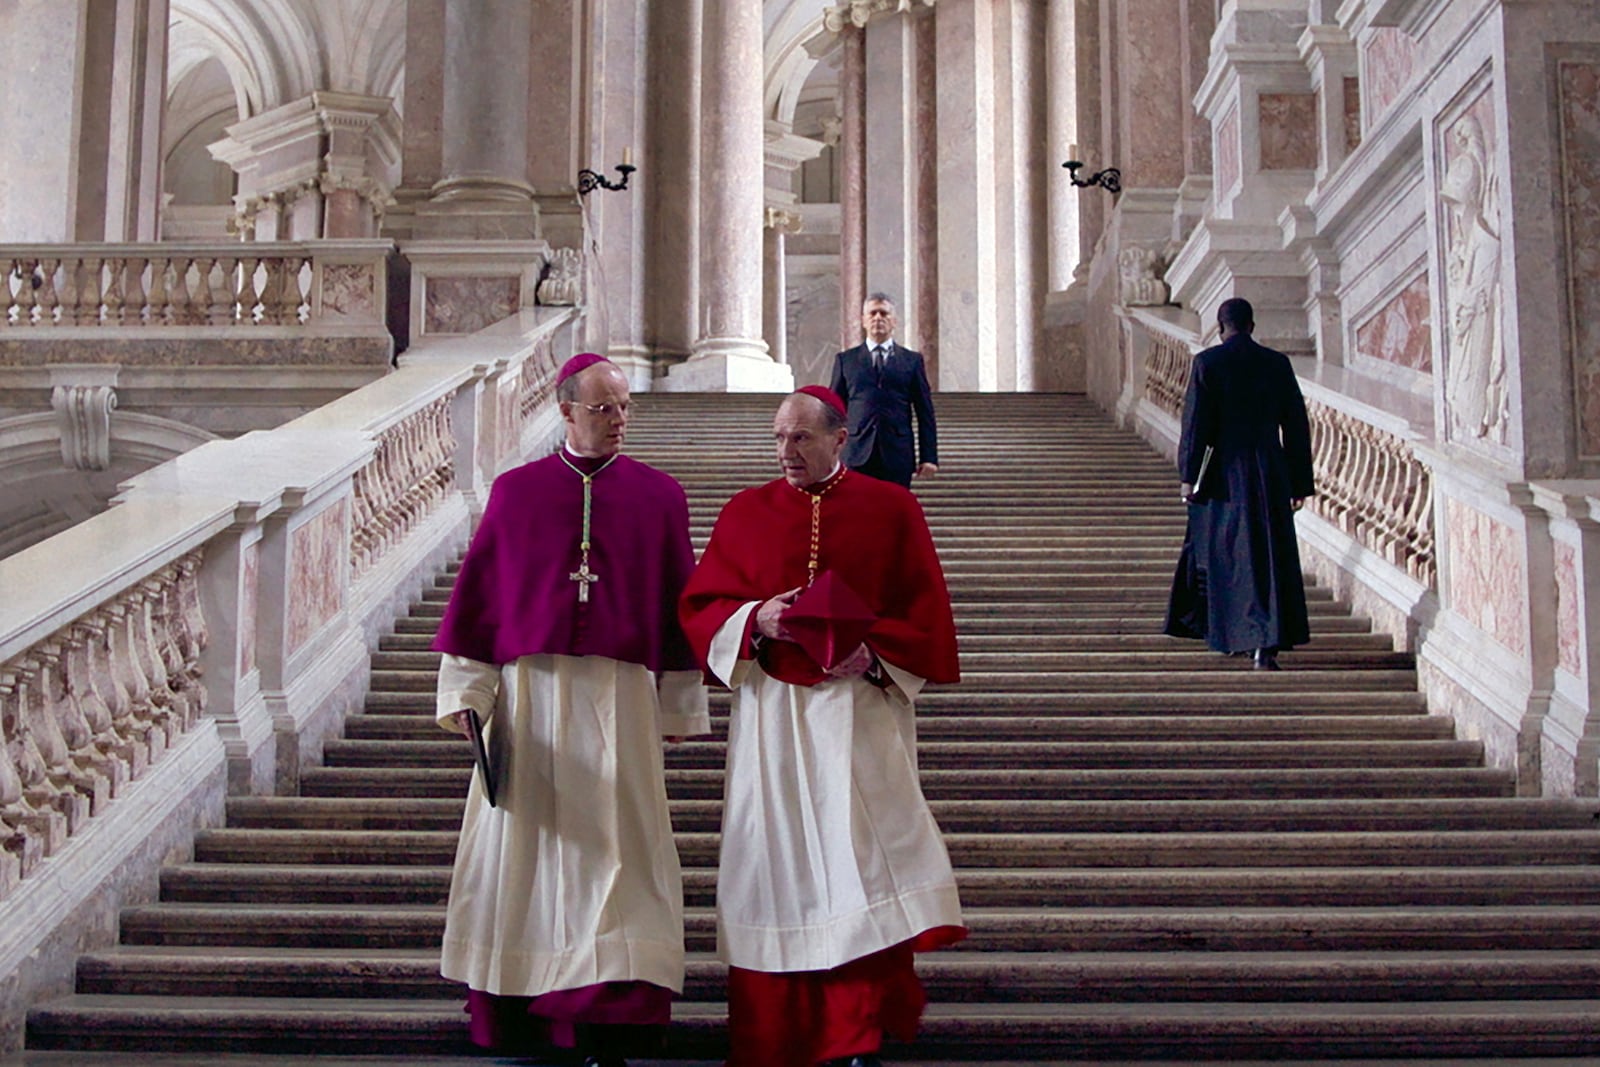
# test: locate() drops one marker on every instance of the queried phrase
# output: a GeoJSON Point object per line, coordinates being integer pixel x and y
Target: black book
{"type": "Point", "coordinates": [480, 755]}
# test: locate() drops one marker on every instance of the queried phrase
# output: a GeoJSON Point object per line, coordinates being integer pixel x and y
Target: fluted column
{"type": "Point", "coordinates": [729, 355]}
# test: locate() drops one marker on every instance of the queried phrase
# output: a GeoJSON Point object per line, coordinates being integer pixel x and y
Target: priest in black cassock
{"type": "Point", "coordinates": [1245, 462]}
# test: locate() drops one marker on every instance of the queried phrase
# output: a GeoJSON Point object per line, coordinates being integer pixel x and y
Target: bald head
{"type": "Point", "coordinates": [594, 405]}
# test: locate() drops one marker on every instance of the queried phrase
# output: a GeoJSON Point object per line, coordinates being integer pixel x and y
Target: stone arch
{"type": "Point", "coordinates": [40, 496]}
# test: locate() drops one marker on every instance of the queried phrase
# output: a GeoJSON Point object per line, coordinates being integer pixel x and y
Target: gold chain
{"type": "Point", "coordinates": [816, 526]}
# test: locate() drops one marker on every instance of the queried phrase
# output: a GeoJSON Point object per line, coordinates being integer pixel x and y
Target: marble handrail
{"type": "Point", "coordinates": [103, 639]}
{"type": "Point", "coordinates": [191, 284]}
{"type": "Point", "coordinates": [1370, 482]}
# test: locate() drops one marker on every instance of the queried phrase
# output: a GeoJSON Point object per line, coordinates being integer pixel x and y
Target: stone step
{"type": "Point", "coordinates": [413, 885]}
{"type": "Point", "coordinates": [995, 977]}
{"type": "Point", "coordinates": [1226, 929]}
{"type": "Point", "coordinates": [451, 752]}
{"type": "Point", "coordinates": [1013, 850]}
{"type": "Point", "coordinates": [377, 726]}
{"type": "Point", "coordinates": [1015, 816]}
{"type": "Point", "coordinates": [998, 783]}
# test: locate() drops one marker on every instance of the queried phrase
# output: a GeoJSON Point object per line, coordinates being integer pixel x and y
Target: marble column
{"type": "Point", "coordinates": [1061, 137]}
{"type": "Point", "coordinates": [852, 149]}
{"type": "Point", "coordinates": [671, 178]}
{"type": "Point", "coordinates": [484, 192]}
{"type": "Point", "coordinates": [729, 355]}
{"type": "Point", "coordinates": [775, 283]}
{"type": "Point", "coordinates": [924, 297]}
{"type": "Point", "coordinates": [422, 134]}
{"type": "Point", "coordinates": [889, 169]}
{"type": "Point", "coordinates": [84, 87]}
{"type": "Point", "coordinates": [967, 232]}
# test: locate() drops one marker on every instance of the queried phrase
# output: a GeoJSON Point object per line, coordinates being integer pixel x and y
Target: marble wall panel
{"type": "Point", "coordinates": [1388, 59]}
{"type": "Point", "coordinates": [1569, 629]}
{"type": "Point", "coordinates": [1288, 131]}
{"type": "Point", "coordinates": [1401, 331]}
{"type": "Point", "coordinates": [1352, 114]}
{"type": "Point", "coordinates": [1578, 88]}
{"type": "Point", "coordinates": [468, 304]}
{"type": "Point", "coordinates": [1228, 170]}
{"type": "Point", "coordinates": [350, 290]}
{"type": "Point", "coordinates": [319, 553]}
{"type": "Point", "coordinates": [1487, 583]}
{"type": "Point", "coordinates": [1477, 398]}
{"type": "Point", "coordinates": [249, 602]}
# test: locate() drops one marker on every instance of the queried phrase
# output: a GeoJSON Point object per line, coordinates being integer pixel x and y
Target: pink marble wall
{"type": "Point", "coordinates": [507, 409]}
{"type": "Point", "coordinates": [1579, 110]}
{"type": "Point", "coordinates": [350, 289]}
{"type": "Point", "coordinates": [249, 601]}
{"type": "Point", "coordinates": [1387, 63]}
{"type": "Point", "coordinates": [1569, 630]}
{"type": "Point", "coordinates": [1228, 152]}
{"type": "Point", "coordinates": [1352, 114]}
{"type": "Point", "coordinates": [1401, 331]}
{"type": "Point", "coordinates": [1288, 131]}
{"type": "Point", "coordinates": [319, 553]}
{"type": "Point", "coordinates": [1487, 583]}
{"type": "Point", "coordinates": [468, 304]}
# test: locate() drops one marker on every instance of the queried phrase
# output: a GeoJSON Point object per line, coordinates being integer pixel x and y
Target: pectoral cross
{"type": "Point", "coordinates": [584, 577]}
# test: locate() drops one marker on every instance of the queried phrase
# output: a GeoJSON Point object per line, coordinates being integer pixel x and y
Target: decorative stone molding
{"type": "Point", "coordinates": [374, 193]}
{"type": "Point", "coordinates": [858, 13]}
{"type": "Point", "coordinates": [84, 415]}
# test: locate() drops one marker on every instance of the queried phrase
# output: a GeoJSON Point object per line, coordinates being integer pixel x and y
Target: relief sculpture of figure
{"type": "Point", "coordinates": [1475, 382]}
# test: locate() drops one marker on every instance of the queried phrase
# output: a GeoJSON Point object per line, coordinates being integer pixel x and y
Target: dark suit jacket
{"type": "Point", "coordinates": [880, 407]}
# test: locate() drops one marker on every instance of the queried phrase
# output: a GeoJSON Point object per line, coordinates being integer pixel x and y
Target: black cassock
{"type": "Point", "coordinates": [1238, 585]}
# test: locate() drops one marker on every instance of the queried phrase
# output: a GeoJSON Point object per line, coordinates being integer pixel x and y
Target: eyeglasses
{"type": "Point", "coordinates": [605, 410]}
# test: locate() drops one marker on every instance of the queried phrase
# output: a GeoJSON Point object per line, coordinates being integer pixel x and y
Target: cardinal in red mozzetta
{"type": "Point", "coordinates": [833, 871]}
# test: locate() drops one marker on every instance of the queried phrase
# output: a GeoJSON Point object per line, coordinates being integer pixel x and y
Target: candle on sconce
{"type": "Point", "coordinates": [627, 156]}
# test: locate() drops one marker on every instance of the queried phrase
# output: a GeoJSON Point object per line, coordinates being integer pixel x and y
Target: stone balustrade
{"type": "Point", "coordinates": [92, 706]}
{"type": "Point", "coordinates": [1167, 372]}
{"type": "Point", "coordinates": [192, 285]}
{"type": "Point", "coordinates": [1371, 485]}
{"type": "Point", "coordinates": [266, 565]}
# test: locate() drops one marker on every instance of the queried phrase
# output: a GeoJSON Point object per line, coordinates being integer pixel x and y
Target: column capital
{"type": "Point", "coordinates": [784, 220]}
{"type": "Point", "coordinates": [857, 13]}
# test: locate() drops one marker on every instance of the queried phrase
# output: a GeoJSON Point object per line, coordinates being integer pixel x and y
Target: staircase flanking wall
{"type": "Point", "coordinates": [1161, 852]}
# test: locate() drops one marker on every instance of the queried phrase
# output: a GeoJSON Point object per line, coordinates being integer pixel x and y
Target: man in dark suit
{"type": "Point", "coordinates": [882, 383]}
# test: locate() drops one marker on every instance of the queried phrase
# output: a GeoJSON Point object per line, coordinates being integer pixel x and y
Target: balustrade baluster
{"type": "Point", "coordinates": [86, 303]}
{"type": "Point", "coordinates": [22, 844]}
{"type": "Point", "coordinates": [134, 721]}
{"type": "Point", "coordinates": [181, 307]}
{"type": "Point", "coordinates": [247, 290]}
{"type": "Point", "coordinates": [12, 271]}
{"type": "Point", "coordinates": [112, 299]}
{"type": "Point", "coordinates": [158, 302]}
{"type": "Point", "coordinates": [40, 792]}
{"type": "Point", "coordinates": [123, 741]}
{"type": "Point", "coordinates": [80, 676]}
{"type": "Point", "coordinates": [203, 301]}
{"type": "Point", "coordinates": [133, 298]}
{"type": "Point", "coordinates": [55, 727]}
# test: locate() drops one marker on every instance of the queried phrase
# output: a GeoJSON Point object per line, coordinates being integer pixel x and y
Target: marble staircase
{"type": "Point", "coordinates": [1162, 854]}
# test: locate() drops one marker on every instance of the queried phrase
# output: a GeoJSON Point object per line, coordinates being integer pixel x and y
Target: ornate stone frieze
{"type": "Point", "coordinates": [84, 414]}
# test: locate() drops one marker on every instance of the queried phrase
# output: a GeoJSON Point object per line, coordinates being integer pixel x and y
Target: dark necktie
{"type": "Point", "coordinates": [880, 356]}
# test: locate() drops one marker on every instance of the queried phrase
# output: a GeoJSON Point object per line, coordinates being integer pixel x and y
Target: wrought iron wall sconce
{"type": "Point", "coordinates": [1109, 179]}
{"type": "Point", "coordinates": [589, 181]}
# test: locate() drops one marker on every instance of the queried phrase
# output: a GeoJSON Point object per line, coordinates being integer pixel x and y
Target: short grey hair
{"type": "Point", "coordinates": [873, 298]}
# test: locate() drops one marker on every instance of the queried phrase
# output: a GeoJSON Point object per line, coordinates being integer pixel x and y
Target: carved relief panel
{"type": "Point", "coordinates": [1475, 385]}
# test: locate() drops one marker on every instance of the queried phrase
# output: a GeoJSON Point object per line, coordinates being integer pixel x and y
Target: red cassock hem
{"type": "Point", "coordinates": [802, 1018]}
